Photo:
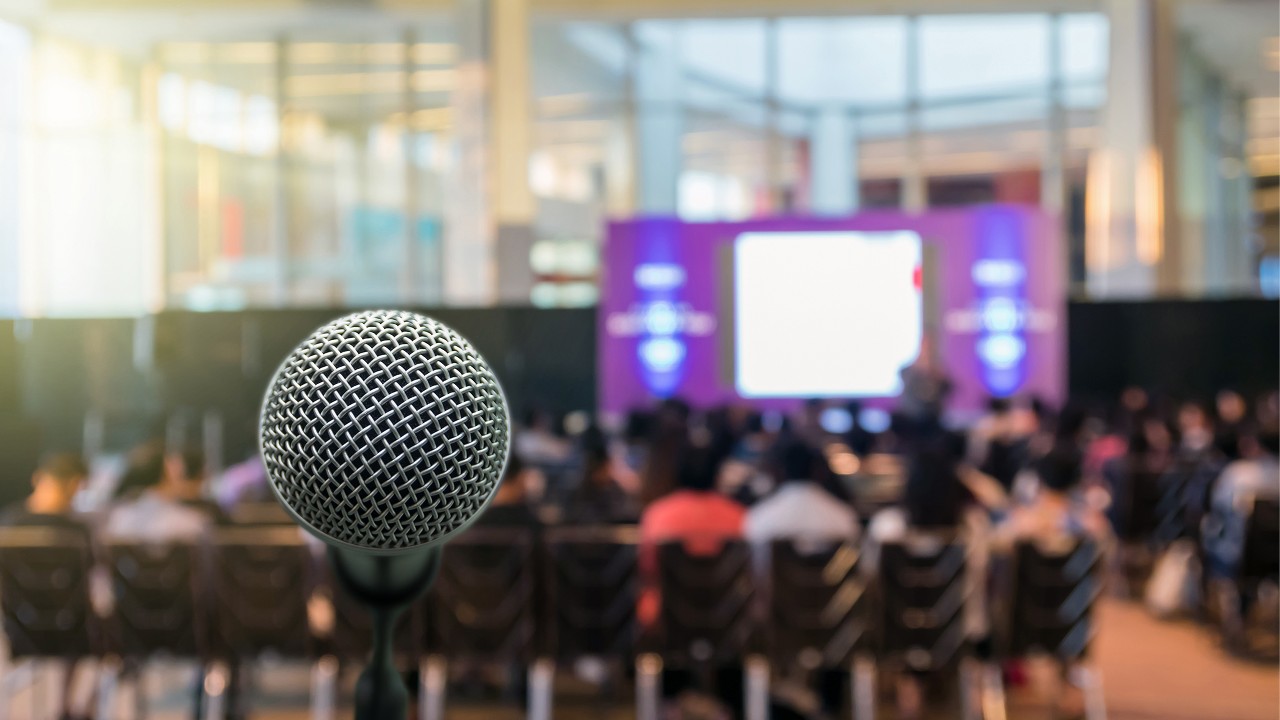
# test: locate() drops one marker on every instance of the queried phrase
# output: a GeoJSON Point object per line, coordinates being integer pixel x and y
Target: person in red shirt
{"type": "Point", "coordinates": [695, 510]}
{"type": "Point", "coordinates": [694, 513]}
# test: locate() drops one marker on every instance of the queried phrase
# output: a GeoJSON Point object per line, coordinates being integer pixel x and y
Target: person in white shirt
{"type": "Point", "coordinates": [799, 508]}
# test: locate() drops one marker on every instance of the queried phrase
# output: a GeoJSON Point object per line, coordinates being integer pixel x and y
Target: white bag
{"type": "Point", "coordinates": [1175, 582]}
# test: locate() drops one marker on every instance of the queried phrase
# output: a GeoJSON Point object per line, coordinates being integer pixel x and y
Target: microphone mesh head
{"type": "Point", "coordinates": [384, 431]}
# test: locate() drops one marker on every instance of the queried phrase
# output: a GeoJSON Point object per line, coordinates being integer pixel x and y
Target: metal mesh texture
{"type": "Point", "coordinates": [385, 431]}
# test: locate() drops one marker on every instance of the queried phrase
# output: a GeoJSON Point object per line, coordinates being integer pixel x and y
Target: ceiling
{"type": "Point", "coordinates": [1236, 37]}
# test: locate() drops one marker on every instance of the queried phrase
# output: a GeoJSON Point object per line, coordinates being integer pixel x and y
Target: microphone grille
{"type": "Point", "coordinates": [384, 431]}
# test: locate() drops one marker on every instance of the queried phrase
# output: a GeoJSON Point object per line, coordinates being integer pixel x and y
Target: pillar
{"type": "Point", "coordinates": [659, 121]}
{"type": "Point", "coordinates": [833, 170]}
{"type": "Point", "coordinates": [468, 272]}
{"type": "Point", "coordinates": [514, 207]}
{"type": "Point", "coordinates": [1131, 244]}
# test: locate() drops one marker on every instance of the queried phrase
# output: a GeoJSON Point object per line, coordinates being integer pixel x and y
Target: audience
{"type": "Point", "coordinates": [1021, 472]}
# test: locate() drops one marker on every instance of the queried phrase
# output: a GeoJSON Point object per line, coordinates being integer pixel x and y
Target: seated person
{"type": "Point", "coordinates": [599, 499]}
{"type": "Point", "coordinates": [1256, 475]}
{"type": "Point", "coordinates": [160, 513]}
{"type": "Point", "coordinates": [800, 508]}
{"type": "Point", "coordinates": [694, 510]}
{"type": "Point", "coordinates": [510, 506]}
{"type": "Point", "coordinates": [54, 485]}
{"type": "Point", "coordinates": [939, 497]}
{"type": "Point", "coordinates": [695, 514]}
{"type": "Point", "coordinates": [1056, 510]}
{"type": "Point", "coordinates": [188, 470]}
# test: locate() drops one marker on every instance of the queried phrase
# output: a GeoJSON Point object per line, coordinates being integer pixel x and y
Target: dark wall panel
{"type": "Point", "coordinates": [1178, 348]}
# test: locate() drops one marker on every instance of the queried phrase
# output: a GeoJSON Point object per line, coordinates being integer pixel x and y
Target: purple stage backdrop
{"type": "Point", "coordinates": [996, 321]}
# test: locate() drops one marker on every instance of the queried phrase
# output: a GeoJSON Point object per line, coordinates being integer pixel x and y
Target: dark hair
{"type": "Point", "coordinates": [1059, 469]}
{"type": "Point", "coordinates": [533, 417]}
{"type": "Point", "coordinates": [697, 469]}
{"type": "Point", "coordinates": [515, 466]}
{"type": "Point", "coordinates": [798, 461]}
{"type": "Point", "coordinates": [144, 469]}
{"type": "Point", "coordinates": [1270, 441]}
{"type": "Point", "coordinates": [934, 495]}
{"type": "Point", "coordinates": [999, 405]}
{"type": "Point", "coordinates": [193, 462]}
{"type": "Point", "coordinates": [64, 466]}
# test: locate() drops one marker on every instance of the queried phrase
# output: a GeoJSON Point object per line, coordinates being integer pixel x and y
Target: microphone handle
{"type": "Point", "coordinates": [380, 692]}
{"type": "Point", "coordinates": [385, 585]}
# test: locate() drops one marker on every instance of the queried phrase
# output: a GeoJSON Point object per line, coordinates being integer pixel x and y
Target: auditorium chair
{"type": "Point", "coordinates": [820, 614]}
{"type": "Point", "coordinates": [1049, 612]}
{"type": "Point", "coordinates": [45, 601]}
{"type": "Point", "coordinates": [1259, 567]}
{"type": "Point", "coordinates": [924, 595]}
{"type": "Point", "coordinates": [708, 620]}
{"type": "Point", "coordinates": [483, 608]}
{"type": "Point", "coordinates": [590, 580]}
{"type": "Point", "coordinates": [159, 611]}
{"type": "Point", "coordinates": [260, 580]}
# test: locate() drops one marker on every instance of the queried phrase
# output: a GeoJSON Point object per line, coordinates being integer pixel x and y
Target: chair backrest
{"type": "Point", "coordinates": [1260, 556]}
{"type": "Point", "coordinates": [44, 592]}
{"type": "Point", "coordinates": [484, 604]}
{"type": "Point", "coordinates": [260, 579]}
{"type": "Point", "coordinates": [819, 604]}
{"type": "Point", "coordinates": [591, 585]}
{"type": "Point", "coordinates": [709, 611]}
{"type": "Point", "coordinates": [1056, 586]}
{"type": "Point", "coordinates": [924, 592]}
{"type": "Point", "coordinates": [156, 591]}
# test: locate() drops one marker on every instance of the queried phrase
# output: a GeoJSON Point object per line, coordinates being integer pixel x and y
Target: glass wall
{"type": "Point", "coordinates": [290, 167]}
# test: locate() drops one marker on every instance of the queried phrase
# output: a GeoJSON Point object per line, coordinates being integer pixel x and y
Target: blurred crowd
{"type": "Point", "coordinates": [1141, 476]}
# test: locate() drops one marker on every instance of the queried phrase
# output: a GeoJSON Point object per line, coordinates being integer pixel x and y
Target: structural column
{"type": "Point", "coordinates": [514, 207]}
{"type": "Point", "coordinates": [915, 189]}
{"type": "Point", "coordinates": [832, 164]}
{"type": "Point", "coordinates": [468, 270]}
{"type": "Point", "coordinates": [1131, 247]}
{"type": "Point", "coordinates": [660, 121]}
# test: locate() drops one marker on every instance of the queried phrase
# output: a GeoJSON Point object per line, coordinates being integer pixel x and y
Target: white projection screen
{"type": "Point", "coordinates": [825, 314]}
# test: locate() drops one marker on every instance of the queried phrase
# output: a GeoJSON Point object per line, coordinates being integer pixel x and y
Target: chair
{"type": "Point", "coordinates": [591, 584]}
{"type": "Point", "coordinates": [482, 608]}
{"type": "Point", "coordinates": [1259, 566]}
{"type": "Point", "coordinates": [821, 613]}
{"type": "Point", "coordinates": [156, 611]}
{"type": "Point", "coordinates": [709, 617]}
{"type": "Point", "coordinates": [45, 598]}
{"type": "Point", "coordinates": [1055, 588]}
{"type": "Point", "coordinates": [925, 590]}
{"type": "Point", "coordinates": [260, 580]}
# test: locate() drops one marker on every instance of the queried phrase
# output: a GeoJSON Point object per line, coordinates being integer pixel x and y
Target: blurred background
{"type": "Point", "coordinates": [1087, 195]}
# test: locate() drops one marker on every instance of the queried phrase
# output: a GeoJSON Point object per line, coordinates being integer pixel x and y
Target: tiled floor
{"type": "Point", "coordinates": [1151, 671]}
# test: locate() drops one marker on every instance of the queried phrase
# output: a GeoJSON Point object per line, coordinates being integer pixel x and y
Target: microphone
{"type": "Point", "coordinates": [384, 434]}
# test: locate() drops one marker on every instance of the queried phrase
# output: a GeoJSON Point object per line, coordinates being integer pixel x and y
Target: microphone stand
{"type": "Point", "coordinates": [386, 585]}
